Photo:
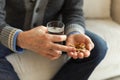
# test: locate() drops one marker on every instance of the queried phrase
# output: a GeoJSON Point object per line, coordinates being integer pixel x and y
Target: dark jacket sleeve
{"type": "Point", "coordinates": [72, 13]}
{"type": "Point", "coordinates": [2, 14]}
{"type": "Point", "coordinates": [7, 33]}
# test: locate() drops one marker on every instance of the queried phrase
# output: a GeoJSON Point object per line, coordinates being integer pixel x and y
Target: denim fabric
{"type": "Point", "coordinates": [4, 51]}
{"type": "Point", "coordinates": [6, 70]}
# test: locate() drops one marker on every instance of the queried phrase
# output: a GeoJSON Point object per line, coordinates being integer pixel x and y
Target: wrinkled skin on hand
{"type": "Point", "coordinates": [40, 41]}
{"type": "Point", "coordinates": [75, 39]}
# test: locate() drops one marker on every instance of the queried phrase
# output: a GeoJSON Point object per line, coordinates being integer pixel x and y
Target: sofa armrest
{"type": "Point", "coordinates": [115, 10]}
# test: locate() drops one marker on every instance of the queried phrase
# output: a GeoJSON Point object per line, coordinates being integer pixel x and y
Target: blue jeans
{"type": "Point", "coordinates": [6, 70]}
{"type": "Point", "coordinates": [79, 69]}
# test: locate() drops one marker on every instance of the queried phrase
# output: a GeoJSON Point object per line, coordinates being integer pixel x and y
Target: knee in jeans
{"type": "Point", "coordinates": [8, 76]}
{"type": "Point", "coordinates": [12, 77]}
{"type": "Point", "coordinates": [100, 51]}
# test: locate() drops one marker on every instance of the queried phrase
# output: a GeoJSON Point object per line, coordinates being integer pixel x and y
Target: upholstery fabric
{"type": "Point", "coordinates": [97, 8]}
{"type": "Point", "coordinates": [110, 31]}
{"type": "Point", "coordinates": [115, 10]}
{"type": "Point", "coordinates": [32, 66]}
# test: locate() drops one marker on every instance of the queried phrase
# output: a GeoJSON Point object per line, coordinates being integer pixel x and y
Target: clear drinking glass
{"type": "Point", "coordinates": [56, 27]}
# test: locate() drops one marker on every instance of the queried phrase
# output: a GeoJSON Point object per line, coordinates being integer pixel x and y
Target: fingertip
{"type": "Point", "coordinates": [87, 53]}
{"type": "Point", "coordinates": [70, 54]}
{"type": "Point", "coordinates": [80, 55]}
{"type": "Point", "coordinates": [75, 55]}
{"type": "Point", "coordinates": [89, 47]}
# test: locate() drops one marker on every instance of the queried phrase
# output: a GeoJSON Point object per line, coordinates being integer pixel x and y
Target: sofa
{"type": "Point", "coordinates": [102, 18]}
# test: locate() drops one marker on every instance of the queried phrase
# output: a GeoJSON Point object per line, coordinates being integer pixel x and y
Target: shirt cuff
{"type": "Point", "coordinates": [74, 32]}
{"type": "Point", "coordinates": [15, 47]}
{"type": "Point", "coordinates": [9, 38]}
{"type": "Point", "coordinates": [74, 28]}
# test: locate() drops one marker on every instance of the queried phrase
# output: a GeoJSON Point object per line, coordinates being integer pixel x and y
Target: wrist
{"type": "Point", "coordinates": [9, 37]}
{"type": "Point", "coordinates": [20, 41]}
{"type": "Point", "coordinates": [74, 32]}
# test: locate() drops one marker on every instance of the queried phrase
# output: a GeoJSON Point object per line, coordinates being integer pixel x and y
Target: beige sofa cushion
{"type": "Point", "coordinates": [115, 10]}
{"type": "Point", "coordinates": [97, 8]}
{"type": "Point", "coordinates": [109, 31]}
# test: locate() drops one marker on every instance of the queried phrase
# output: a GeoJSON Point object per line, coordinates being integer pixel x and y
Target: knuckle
{"type": "Point", "coordinates": [47, 45]}
{"type": "Point", "coordinates": [46, 36]}
{"type": "Point", "coordinates": [58, 47]}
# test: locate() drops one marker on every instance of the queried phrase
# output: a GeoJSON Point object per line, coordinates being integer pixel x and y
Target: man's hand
{"type": "Point", "coordinates": [77, 40]}
{"type": "Point", "coordinates": [39, 41]}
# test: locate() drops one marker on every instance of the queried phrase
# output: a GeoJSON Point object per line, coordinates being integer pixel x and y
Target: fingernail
{"type": "Point", "coordinates": [64, 36]}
